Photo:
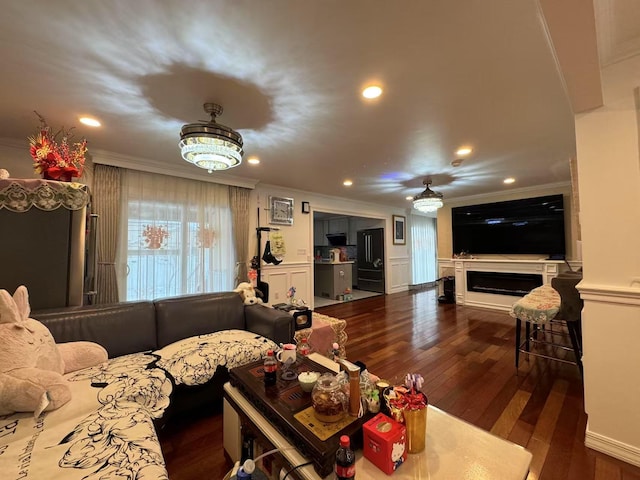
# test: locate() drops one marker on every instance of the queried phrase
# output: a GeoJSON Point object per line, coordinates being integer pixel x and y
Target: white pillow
{"type": "Point", "coordinates": [194, 360]}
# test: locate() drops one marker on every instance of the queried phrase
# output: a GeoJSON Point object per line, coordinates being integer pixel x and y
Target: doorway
{"type": "Point", "coordinates": [335, 251]}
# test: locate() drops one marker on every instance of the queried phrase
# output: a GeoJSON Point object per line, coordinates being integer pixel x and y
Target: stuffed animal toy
{"type": "Point", "coordinates": [248, 294]}
{"type": "Point", "coordinates": [31, 365]}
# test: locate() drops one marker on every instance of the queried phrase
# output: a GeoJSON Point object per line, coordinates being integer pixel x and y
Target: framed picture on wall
{"type": "Point", "coordinates": [399, 230]}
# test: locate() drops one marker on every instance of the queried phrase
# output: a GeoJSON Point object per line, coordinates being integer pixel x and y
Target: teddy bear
{"type": "Point", "coordinates": [249, 295]}
{"type": "Point", "coordinates": [31, 363]}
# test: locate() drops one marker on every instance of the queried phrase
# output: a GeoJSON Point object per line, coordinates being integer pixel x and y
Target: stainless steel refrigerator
{"type": "Point", "coordinates": [371, 260]}
{"type": "Point", "coordinates": [50, 252]}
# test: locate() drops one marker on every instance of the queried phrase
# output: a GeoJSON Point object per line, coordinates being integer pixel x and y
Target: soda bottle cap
{"type": "Point", "coordinates": [344, 441]}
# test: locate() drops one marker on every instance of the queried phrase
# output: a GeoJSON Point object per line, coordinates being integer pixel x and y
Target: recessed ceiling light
{"type": "Point", "coordinates": [89, 121]}
{"type": "Point", "coordinates": [253, 160]}
{"type": "Point", "coordinates": [463, 151]}
{"type": "Point", "coordinates": [509, 180]}
{"type": "Point", "coordinates": [347, 183]}
{"type": "Point", "coordinates": [457, 162]}
{"type": "Point", "coordinates": [373, 91]}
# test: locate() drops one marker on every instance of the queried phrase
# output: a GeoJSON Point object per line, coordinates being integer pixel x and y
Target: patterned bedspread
{"type": "Point", "coordinates": [106, 431]}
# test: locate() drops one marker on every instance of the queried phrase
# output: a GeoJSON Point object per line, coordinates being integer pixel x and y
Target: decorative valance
{"type": "Point", "coordinates": [19, 195]}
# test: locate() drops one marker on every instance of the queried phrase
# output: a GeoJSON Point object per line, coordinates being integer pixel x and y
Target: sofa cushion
{"type": "Point", "coordinates": [104, 324]}
{"type": "Point", "coordinates": [193, 361]}
{"type": "Point", "coordinates": [190, 315]}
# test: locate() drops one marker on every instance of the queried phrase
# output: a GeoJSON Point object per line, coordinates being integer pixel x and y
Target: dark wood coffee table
{"type": "Point", "coordinates": [279, 403]}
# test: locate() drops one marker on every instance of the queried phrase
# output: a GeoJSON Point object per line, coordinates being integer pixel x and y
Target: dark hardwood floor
{"type": "Point", "coordinates": [466, 356]}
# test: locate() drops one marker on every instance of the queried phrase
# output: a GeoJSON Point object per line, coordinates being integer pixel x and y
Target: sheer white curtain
{"type": "Point", "coordinates": [424, 243]}
{"type": "Point", "coordinates": [175, 237]}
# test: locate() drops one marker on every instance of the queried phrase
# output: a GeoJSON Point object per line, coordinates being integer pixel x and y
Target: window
{"type": "Point", "coordinates": [177, 237]}
{"type": "Point", "coordinates": [424, 243]}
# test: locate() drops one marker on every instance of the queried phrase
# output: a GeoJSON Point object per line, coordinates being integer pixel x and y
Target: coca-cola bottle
{"type": "Point", "coordinates": [270, 368]}
{"type": "Point", "coordinates": [345, 460]}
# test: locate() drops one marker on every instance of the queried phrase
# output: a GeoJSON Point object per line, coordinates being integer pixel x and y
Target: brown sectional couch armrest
{"type": "Point", "coordinates": [275, 324]}
{"type": "Point", "coordinates": [121, 328]}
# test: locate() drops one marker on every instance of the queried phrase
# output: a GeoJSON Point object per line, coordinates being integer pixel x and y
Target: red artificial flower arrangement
{"type": "Point", "coordinates": [409, 396]}
{"type": "Point", "coordinates": [54, 156]}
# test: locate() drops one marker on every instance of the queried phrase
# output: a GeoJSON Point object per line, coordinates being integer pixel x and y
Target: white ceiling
{"type": "Point", "coordinates": [289, 72]}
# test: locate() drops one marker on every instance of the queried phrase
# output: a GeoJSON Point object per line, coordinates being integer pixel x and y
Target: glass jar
{"type": "Point", "coordinates": [303, 347]}
{"type": "Point", "coordinates": [329, 401]}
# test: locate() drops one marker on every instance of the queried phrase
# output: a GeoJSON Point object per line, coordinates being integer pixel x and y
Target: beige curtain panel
{"type": "Point", "coordinates": [106, 201]}
{"type": "Point", "coordinates": [239, 203]}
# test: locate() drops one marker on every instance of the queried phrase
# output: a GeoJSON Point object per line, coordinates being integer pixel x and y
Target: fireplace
{"type": "Point", "coordinates": [514, 284]}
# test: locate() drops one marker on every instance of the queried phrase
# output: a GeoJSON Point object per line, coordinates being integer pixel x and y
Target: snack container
{"type": "Point", "coordinates": [384, 443]}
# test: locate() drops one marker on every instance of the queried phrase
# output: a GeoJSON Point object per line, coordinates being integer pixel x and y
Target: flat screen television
{"type": "Point", "coordinates": [524, 226]}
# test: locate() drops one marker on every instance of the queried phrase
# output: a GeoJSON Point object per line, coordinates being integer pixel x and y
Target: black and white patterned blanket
{"type": "Point", "coordinates": [106, 431]}
{"type": "Point", "coordinates": [194, 360]}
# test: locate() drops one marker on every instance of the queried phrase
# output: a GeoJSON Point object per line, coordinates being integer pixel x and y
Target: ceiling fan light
{"type": "Point", "coordinates": [428, 201]}
{"type": "Point", "coordinates": [210, 145]}
{"type": "Point", "coordinates": [427, 204]}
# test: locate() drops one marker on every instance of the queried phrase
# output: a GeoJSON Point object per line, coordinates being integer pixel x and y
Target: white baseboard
{"type": "Point", "coordinates": [614, 448]}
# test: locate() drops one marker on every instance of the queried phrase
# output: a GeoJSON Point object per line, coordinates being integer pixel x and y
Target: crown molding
{"type": "Point", "coordinates": [351, 207]}
{"type": "Point", "coordinates": [144, 165]}
{"type": "Point", "coordinates": [184, 171]}
{"type": "Point", "coordinates": [510, 192]}
{"type": "Point", "coordinates": [178, 170]}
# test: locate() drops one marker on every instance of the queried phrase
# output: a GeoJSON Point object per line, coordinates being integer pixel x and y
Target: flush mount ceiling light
{"type": "Point", "coordinates": [427, 201]}
{"type": "Point", "coordinates": [372, 91]}
{"type": "Point", "coordinates": [90, 121]}
{"type": "Point", "coordinates": [210, 145]}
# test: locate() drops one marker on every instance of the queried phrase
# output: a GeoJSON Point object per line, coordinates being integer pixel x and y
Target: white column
{"type": "Point", "coordinates": [609, 182]}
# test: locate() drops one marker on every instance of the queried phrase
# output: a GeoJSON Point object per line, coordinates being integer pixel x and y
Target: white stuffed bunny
{"type": "Point", "coordinates": [31, 363]}
{"type": "Point", "coordinates": [31, 366]}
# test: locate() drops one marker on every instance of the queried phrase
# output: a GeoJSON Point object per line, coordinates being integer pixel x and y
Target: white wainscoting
{"type": "Point", "coordinates": [286, 275]}
{"type": "Point", "coordinates": [300, 275]}
{"type": "Point", "coordinates": [399, 274]}
{"type": "Point", "coordinates": [610, 331]}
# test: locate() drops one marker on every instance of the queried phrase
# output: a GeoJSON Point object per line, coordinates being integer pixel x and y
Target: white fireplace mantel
{"type": "Point", "coordinates": [459, 267]}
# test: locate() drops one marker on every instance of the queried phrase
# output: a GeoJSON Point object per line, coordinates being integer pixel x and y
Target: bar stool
{"type": "Point", "coordinates": [570, 309]}
{"type": "Point", "coordinates": [547, 306]}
